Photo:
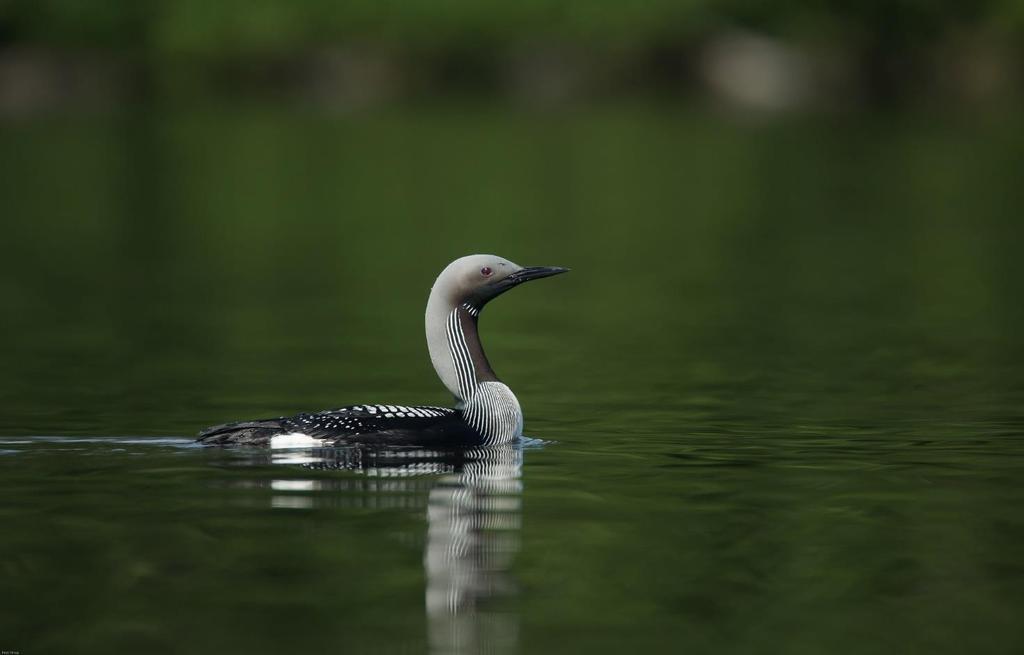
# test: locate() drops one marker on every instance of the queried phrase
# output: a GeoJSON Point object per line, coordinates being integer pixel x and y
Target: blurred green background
{"type": "Point", "coordinates": [357, 53]}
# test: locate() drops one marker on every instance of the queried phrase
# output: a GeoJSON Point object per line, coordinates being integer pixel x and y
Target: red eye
{"type": "Point", "coordinates": [486, 271]}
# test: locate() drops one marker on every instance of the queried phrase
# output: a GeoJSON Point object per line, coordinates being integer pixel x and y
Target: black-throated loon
{"type": "Point", "coordinates": [486, 410]}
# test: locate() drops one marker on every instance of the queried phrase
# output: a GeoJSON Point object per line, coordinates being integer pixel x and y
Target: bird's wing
{"type": "Point", "coordinates": [364, 424]}
{"type": "Point", "coordinates": [367, 419]}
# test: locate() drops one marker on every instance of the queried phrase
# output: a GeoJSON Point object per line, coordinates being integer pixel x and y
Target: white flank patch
{"type": "Point", "coordinates": [294, 440]}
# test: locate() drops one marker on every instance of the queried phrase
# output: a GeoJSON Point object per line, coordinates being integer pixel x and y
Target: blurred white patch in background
{"type": "Point", "coordinates": [757, 72]}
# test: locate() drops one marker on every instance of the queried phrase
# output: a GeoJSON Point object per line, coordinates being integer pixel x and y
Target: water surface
{"type": "Point", "coordinates": [777, 403]}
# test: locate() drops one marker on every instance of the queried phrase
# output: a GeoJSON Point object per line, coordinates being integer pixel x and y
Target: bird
{"type": "Point", "coordinates": [486, 411]}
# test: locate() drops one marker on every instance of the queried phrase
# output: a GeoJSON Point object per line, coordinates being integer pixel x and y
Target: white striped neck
{"type": "Point", "coordinates": [466, 351]}
{"type": "Point", "coordinates": [454, 344]}
{"type": "Point", "coordinates": [488, 405]}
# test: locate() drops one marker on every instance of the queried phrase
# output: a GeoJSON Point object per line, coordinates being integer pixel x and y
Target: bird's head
{"type": "Point", "coordinates": [478, 279]}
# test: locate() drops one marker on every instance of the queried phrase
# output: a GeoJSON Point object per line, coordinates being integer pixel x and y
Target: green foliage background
{"type": "Point", "coordinates": [227, 28]}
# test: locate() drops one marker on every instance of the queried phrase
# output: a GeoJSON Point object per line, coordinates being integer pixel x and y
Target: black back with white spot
{"type": "Point", "coordinates": [357, 424]}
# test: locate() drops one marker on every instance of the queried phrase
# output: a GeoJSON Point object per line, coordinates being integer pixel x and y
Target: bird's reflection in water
{"type": "Point", "coordinates": [473, 503]}
{"type": "Point", "coordinates": [473, 520]}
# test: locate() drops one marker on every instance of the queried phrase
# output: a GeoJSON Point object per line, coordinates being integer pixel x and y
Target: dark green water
{"type": "Point", "coordinates": [778, 405]}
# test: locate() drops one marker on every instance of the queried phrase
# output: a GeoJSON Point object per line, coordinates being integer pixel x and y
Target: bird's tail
{"type": "Point", "coordinates": [252, 433]}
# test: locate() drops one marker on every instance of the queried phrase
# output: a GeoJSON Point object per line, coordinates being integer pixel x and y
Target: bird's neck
{"type": "Point", "coordinates": [455, 348]}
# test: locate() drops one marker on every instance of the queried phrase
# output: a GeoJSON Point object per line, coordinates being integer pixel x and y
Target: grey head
{"type": "Point", "coordinates": [458, 296]}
